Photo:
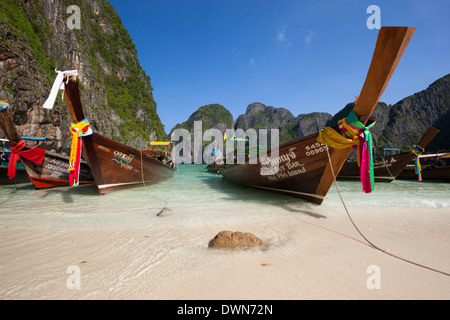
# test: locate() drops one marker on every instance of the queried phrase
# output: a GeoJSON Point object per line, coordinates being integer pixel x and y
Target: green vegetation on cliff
{"type": "Point", "coordinates": [212, 116]}
{"type": "Point", "coordinates": [101, 49]}
{"type": "Point", "coordinates": [34, 29]}
{"type": "Point", "coordinates": [128, 88]}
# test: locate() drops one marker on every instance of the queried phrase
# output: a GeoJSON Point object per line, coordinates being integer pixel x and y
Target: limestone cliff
{"type": "Point", "coordinates": [403, 124]}
{"type": "Point", "coordinates": [259, 116]}
{"type": "Point", "coordinates": [212, 116]}
{"type": "Point", "coordinates": [116, 93]}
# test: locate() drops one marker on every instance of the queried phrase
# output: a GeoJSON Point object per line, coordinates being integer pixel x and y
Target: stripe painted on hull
{"type": "Point", "coordinates": [357, 178]}
{"type": "Point", "coordinates": [294, 192]}
{"type": "Point", "coordinates": [112, 185]}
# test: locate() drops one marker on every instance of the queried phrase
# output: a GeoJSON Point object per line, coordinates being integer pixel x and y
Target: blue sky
{"type": "Point", "coordinates": [304, 56]}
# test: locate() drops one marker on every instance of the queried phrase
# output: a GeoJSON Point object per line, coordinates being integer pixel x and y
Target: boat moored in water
{"type": "Point", "coordinates": [307, 167]}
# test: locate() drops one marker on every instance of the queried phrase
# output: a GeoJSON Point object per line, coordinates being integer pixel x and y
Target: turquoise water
{"type": "Point", "coordinates": [194, 197]}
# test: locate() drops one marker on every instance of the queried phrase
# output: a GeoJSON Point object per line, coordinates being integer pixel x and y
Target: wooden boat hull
{"type": "Point", "coordinates": [114, 165]}
{"type": "Point", "coordinates": [307, 168]}
{"type": "Point", "coordinates": [301, 165]}
{"type": "Point", "coordinates": [117, 166]}
{"type": "Point", "coordinates": [214, 168]}
{"type": "Point", "coordinates": [435, 167]}
{"type": "Point", "coordinates": [52, 172]}
{"type": "Point", "coordinates": [387, 168]}
{"type": "Point", "coordinates": [429, 173]}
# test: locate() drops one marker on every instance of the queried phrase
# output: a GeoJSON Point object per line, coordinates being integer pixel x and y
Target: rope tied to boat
{"type": "Point", "coordinates": [417, 151]}
{"type": "Point", "coordinates": [35, 155]}
{"type": "Point", "coordinates": [353, 134]}
{"type": "Point", "coordinates": [363, 236]}
{"type": "Point", "coordinates": [79, 130]}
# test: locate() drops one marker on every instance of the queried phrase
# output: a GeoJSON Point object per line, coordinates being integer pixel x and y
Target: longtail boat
{"type": "Point", "coordinates": [113, 164]}
{"type": "Point", "coordinates": [387, 168]}
{"type": "Point", "coordinates": [308, 167]}
{"type": "Point", "coordinates": [51, 171]}
{"type": "Point", "coordinates": [433, 167]}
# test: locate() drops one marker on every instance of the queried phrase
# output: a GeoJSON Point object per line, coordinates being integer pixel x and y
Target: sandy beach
{"type": "Point", "coordinates": [312, 253]}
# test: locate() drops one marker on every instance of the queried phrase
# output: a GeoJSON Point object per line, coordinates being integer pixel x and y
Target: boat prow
{"type": "Point", "coordinates": [306, 167]}
{"type": "Point", "coordinates": [388, 168]}
{"type": "Point", "coordinates": [52, 171]}
{"type": "Point", "coordinates": [114, 165]}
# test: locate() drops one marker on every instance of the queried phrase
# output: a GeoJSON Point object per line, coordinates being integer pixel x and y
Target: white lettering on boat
{"type": "Point", "coordinates": [383, 163]}
{"type": "Point", "coordinates": [287, 157]}
{"type": "Point", "coordinates": [58, 167]}
{"type": "Point", "coordinates": [288, 170]}
{"type": "Point", "coordinates": [315, 149]}
{"type": "Point", "coordinates": [60, 163]}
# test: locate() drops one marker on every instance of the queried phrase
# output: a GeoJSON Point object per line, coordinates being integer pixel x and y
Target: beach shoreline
{"type": "Point", "coordinates": [313, 253]}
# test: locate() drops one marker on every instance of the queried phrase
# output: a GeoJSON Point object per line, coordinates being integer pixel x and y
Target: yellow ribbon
{"type": "Point", "coordinates": [77, 131]}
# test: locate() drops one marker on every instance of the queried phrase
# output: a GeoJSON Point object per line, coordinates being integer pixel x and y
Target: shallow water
{"type": "Point", "coordinates": [126, 251]}
{"type": "Point", "coordinates": [195, 197]}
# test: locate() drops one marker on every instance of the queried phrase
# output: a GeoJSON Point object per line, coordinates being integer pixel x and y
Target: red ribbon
{"type": "Point", "coordinates": [35, 155]}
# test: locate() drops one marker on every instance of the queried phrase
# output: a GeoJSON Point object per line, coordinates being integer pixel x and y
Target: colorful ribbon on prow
{"type": "Point", "coordinates": [417, 151]}
{"type": "Point", "coordinates": [353, 134]}
{"type": "Point", "coordinates": [35, 155]}
{"type": "Point", "coordinates": [79, 130]}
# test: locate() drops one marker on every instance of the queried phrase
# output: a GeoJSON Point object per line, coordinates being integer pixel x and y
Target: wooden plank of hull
{"type": "Point", "coordinates": [114, 165]}
{"type": "Point", "coordinates": [432, 169]}
{"type": "Point", "coordinates": [315, 182]}
{"type": "Point", "coordinates": [299, 172]}
{"type": "Point", "coordinates": [52, 172]}
{"type": "Point", "coordinates": [214, 168]}
{"type": "Point", "coordinates": [429, 173]}
{"type": "Point", "coordinates": [386, 169]}
{"type": "Point", "coordinates": [119, 166]}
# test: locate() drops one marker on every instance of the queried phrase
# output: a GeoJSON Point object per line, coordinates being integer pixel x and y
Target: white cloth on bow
{"type": "Point", "coordinates": [58, 85]}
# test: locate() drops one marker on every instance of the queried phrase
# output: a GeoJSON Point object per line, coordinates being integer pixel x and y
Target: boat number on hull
{"type": "Point", "coordinates": [315, 149]}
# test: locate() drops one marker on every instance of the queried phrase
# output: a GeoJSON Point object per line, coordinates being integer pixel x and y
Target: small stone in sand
{"type": "Point", "coordinates": [229, 239]}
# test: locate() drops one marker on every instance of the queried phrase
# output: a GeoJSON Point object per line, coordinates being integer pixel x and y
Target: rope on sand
{"type": "Point", "coordinates": [362, 235]}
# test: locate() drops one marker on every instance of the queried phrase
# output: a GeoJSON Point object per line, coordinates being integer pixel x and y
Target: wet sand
{"type": "Point", "coordinates": [310, 253]}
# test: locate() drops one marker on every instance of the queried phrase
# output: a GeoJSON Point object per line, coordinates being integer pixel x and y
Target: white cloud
{"type": "Point", "coordinates": [281, 35]}
{"type": "Point", "coordinates": [235, 51]}
{"type": "Point", "coordinates": [252, 61]}
{"type": "Point", "coordinates": [309, 37]}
